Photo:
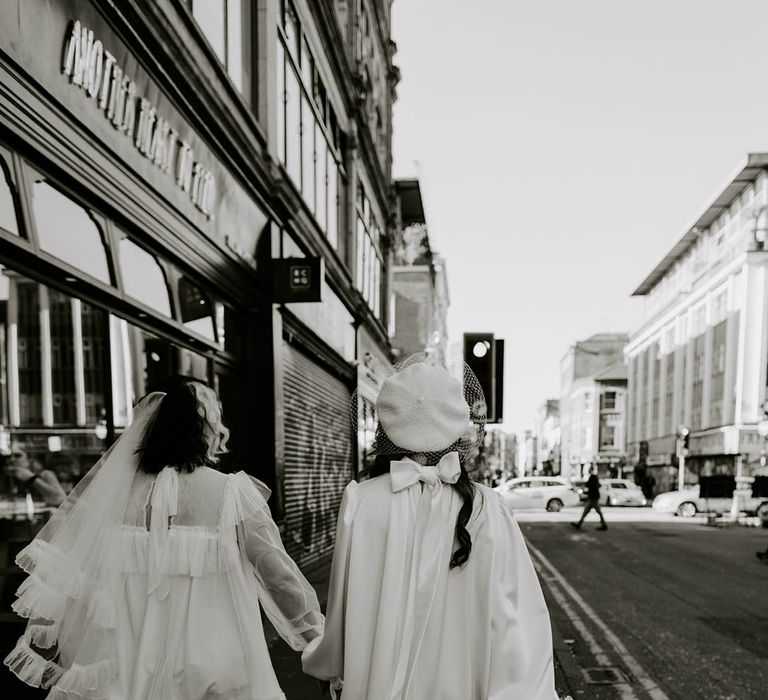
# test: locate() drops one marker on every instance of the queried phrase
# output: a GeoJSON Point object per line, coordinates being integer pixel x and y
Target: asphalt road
{"type": "Point", "coordinates": [658, 607]}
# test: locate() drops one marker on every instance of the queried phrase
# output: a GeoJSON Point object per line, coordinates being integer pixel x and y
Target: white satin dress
{"type": "Point", "coordinates": [402, 625]}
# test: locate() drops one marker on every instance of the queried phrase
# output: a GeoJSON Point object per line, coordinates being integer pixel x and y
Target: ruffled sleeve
{"type": "Point", "coordinates": [324, 657]}
{"type": "Point", "coordinates": [521, 648]}
{"type": "Point", "coordinates": [288, 599]}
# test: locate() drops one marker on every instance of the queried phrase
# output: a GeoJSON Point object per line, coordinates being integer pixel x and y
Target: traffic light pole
{"type": "Point", "coordinates": [680, 471]}
{"type": "Point", "coordinates": [682, 451]}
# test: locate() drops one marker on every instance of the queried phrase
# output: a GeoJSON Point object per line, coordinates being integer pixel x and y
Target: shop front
{"type": "Point", "coordinates": [127, 253]}
{"type": "Point", "coordinates": [314, 381]}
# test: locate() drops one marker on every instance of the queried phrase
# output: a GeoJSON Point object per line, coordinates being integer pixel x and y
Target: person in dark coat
{"type": "Point", "coordinates": [593, 500]}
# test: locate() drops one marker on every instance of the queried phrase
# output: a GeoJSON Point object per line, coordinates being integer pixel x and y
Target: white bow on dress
{"type": "Point", "coordinates": [406, 472]}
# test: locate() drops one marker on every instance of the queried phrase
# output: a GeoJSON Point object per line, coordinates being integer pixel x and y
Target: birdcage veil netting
{"type": "Point", "coordinates": [383, 445]}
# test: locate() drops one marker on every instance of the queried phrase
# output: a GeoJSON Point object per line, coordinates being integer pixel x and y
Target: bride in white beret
{"type": "Point", "coordinates": [432, 590]}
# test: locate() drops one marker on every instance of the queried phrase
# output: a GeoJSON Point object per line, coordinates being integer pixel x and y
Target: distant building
{"type": "Point", "coordinates": [593, 387]}
{"type": "Point", "coordinates": [548, 437]}
{"type": "Point", "coordinates": [500, 456]}
{"type": "Point", "coordinates": [699, 358]}
{"type": "Point", "coordinates": [419, 292]}
{"type": "Point", "coordinates": [526, 454]}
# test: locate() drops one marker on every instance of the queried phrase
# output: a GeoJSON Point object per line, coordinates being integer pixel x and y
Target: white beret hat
{"type": "Point", "coordinates": [422, 408]}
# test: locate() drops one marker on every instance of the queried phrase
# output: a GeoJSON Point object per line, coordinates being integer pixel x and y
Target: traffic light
{"type": "Point", "coordinates": [683, 441]}
{"type": "Point", "coordinates": [498, 381]}
{"type": "Point", "coordinates": [485, 357]}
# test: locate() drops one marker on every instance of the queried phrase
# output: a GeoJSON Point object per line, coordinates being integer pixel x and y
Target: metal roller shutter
{"type": "Point", "coordinates": [318, 456]}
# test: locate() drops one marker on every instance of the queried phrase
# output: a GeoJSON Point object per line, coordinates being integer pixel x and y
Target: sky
{"type": "Point", "coordinates": [563, 148]}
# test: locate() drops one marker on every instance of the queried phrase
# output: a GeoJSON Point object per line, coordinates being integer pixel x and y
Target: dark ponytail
{"type": "Point", "coordinates": [466, 490]}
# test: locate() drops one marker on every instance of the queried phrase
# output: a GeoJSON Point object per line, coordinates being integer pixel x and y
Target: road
{"type": "Point", "coordinates": [657, 606]}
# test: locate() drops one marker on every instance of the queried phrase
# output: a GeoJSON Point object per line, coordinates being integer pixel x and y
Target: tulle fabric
{"type": "Point", "coordinates": [124, 609]}
{"type": "Point", "coordinates": [73, 568]}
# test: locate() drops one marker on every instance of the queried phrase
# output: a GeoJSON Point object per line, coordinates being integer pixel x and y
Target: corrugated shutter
{"type": "Point", "coordinates": [318, 456]}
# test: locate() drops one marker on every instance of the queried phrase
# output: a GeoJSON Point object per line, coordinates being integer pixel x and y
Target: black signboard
{"type": "Point", "coordinates": [760, 487]}
{"type": "Point", "coordinates": [297, 280]}
{"type": "Point", "coordinates": [717, 486]}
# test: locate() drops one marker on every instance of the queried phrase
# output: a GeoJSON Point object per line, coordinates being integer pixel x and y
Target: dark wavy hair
{"type": "Point", "coordinates": [187, 432]}
{"type": "Point", "coordinates": [466, 489]}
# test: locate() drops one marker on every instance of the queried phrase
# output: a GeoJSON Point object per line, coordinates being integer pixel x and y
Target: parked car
{"type": "Point", "coordinates": [621, 492]}
{"type": "Point", "coordinates": [550, 492]}
{"type": "Point", "coordinates": [688, 502]}
{"type": "Point", "coordinates": [614, 492]}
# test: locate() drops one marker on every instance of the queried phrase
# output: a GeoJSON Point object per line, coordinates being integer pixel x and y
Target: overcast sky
{"type": "Point", "coordinates": [563, 148]}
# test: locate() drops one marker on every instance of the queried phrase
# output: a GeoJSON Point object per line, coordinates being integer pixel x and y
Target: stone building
{"type": "Point", "coordinates": [699, 358]}
{"type": "Point", "coordinates": [593, 387]}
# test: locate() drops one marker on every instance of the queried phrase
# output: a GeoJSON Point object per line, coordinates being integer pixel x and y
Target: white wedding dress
{"type": "Point", "coordinates": [179, 619]}
{"type": "Point", "coordinates": [402, 625]}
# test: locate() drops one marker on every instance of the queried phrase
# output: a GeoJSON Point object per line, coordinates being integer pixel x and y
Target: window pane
{"type": "Point", "coordinates": [293, 125]}
{"type": "Point", "coordinates": [7, 206]}
{"type": "Point", "coordinates": [291, 26]}
{"type": "Point", "coordinates": [210, 15]}
{"type": "Point", "coordinates": [62, 358]}
{"type": "Point", "coordinates": [360, 246]}
{"type": "Point", "coordinates": [66, 230]}
{"type": "Point", "coordinates": [322, 186]}
{"type": "Point", "coordinates": [307, 66]}
{"type": "Point", "coordinates": [143, 278]}
{"type": "Point", "coordinates": [281, 102]}
{"type": "Point", "coordinates": [24, 295]}
{"type": "Point", "coordinates": [140, 361]}
{"type": "Point", "coordinates": [371, 273]}
{"type": "Point", "coordinates": [196, 309]}
{"type": "Point", "coordinates": [333, 204]}
{"type": "Point", "coordinates": [308, 153]}
{"type": "Point", "coordinates": [235, 42]}
{"type": "Point", "coordinates": [95, 362]}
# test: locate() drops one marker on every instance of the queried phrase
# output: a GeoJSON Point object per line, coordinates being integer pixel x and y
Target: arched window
{"type": "Point", "coordinates": [67, 230]}
{"type": "Point", "coordinates": [8, 220]}
{"type": "Point", "coordinates": [143, 278]}
{"type": "Point", "coordinates": [196, 309]}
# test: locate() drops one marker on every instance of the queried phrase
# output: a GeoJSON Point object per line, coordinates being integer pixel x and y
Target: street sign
{"type": "Point", "coordinates": [297, 280]}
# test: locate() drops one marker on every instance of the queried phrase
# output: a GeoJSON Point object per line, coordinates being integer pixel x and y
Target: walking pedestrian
{"type": "Point", "coordinates": [146, 582]}
{"type": "Point", "coordinates": [593, 500]}
{"type": "Point", "coordinates": [432, 592]}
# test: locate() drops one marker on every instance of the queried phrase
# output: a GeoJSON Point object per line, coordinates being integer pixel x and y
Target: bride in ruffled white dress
{"type": "Point", "coordinates": [146, 583]}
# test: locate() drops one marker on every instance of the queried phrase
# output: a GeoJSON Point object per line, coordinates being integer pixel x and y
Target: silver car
{"type": "Point", "coordinates": [550, 492]}
{"type": "Point", "coordinates": [688, 502]}
{"type": "Point", "coordinates": [621, 492]}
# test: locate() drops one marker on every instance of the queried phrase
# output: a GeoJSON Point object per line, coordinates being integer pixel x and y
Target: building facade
{"type": "Point", "coordinates": [548, 438]}
{"type": "Point", "coordinates": [419, 296]}
{"type": "Point", "coordinates": [156, 156]}
{"type": "Point", "coordinates": [526, 453]}
{"type": "Point", "coordinates": [699, 359]}
{"type": "Point", "coordinates": [593, 388]}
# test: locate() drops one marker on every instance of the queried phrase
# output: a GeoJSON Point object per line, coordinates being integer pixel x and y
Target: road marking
{"type": "Point", "coordinates": [601, 658]}
{"type": "Point", "coordinates": [649, 685]}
